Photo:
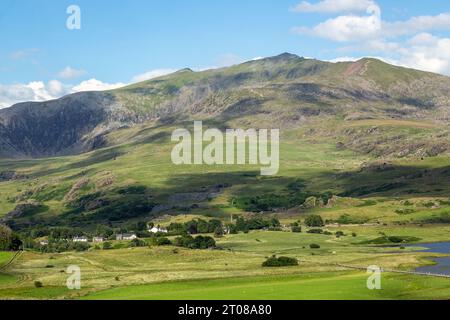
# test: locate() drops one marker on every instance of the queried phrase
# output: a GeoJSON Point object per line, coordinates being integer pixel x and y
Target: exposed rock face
{"type": "Point", "coordinates": [22, 209]}
{"type": "Point", "coordinates": [282, 91]}
{"type": "Point", "coordinates": [53, 127]}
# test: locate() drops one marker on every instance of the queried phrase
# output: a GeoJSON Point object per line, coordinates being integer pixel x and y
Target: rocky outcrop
{"type": "Point", "coordinates": [281, 91]}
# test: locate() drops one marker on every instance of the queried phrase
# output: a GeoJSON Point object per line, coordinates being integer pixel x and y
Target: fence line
{"type": "Point", "coordinates": [14, 258]}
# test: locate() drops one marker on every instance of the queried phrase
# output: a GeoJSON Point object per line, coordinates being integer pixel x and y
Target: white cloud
{"type": "Point", "coordinates": [427, 52]}
{"type": "Point", "coordinates": [348, 27]}
{"type": "Point", "coordinates": [40, 91]}
{"type": "Point", "coordinates": [71, 73]}
{"type": "Point", "coordinates": [371, 35]}
{"type": "Point", "coordinates": [343, 59]}
{"type": "Point", "coordinates": [96, 85]}
{"type": "Point", "coordinates": [22, 54]}
{"type": "Point", "coordinates": [416, 25]}
{"type": "Point", "coordinates": [152, 74]}
{"type": "Point", "coordinates": [33, 91]}
{"type": "Point", "coordinates": [334, 6]}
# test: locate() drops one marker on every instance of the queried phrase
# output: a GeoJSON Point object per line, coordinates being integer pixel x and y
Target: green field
{"type": "Point", "coordinates": [335, 286]}
{"type": "Point", "coordinates": [235, 272]}
{"type": "Point", "coordinates": [404, 197]}
{"type": "Point", "coordinates": [5, 257]}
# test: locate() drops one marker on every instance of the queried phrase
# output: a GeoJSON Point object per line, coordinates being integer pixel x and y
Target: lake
{"type": "Point", "coordinates": [442, 264]}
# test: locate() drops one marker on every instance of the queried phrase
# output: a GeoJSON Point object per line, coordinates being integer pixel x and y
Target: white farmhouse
{"type": "Point", "coordinates": [126, 236]}
{"type": "Point", "coordinates": [80, 239]}
{"type": "Point", "coordinates": [158, 230]}
{"type": "Point", "coordinates": [98, 239]}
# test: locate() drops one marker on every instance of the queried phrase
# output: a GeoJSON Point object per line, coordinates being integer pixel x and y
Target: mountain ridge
{"type": "Point", "coordinates": [287, 89]}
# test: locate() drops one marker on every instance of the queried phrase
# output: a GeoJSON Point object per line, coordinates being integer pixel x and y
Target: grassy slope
{"type": "Point", "coordinates": [327, 286]}
{"type": "Point", "coordinates": [141, 156]}
{"type": "Point", "coordinates": [146, 162]}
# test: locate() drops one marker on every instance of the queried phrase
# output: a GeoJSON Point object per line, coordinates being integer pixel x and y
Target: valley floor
{"type": "Point", "coordinates": [234, 272]}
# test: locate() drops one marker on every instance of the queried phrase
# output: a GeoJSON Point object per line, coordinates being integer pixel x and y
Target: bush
{"type": "Point", "coordinates": [163, 242]}
{"type": "Point", "coordinates": [38, 284]}
{"type": "Point", "coordinates": [277, 229]}
{"type": "Point", "coordinates": [314, 246]}
{"type": "Point", "coordinates": [314, 221]}
{"type": "Point", "coordinates": [280, 262]}
{"type": "Point", "coordinates": [392, 240]}
{"type": "Point", "coordinates": [315, 231]}
{"type": "Point", "coordinates": [404, 211]}
{"type": "Point", "coordinates": [296, 229]}
{"type": "Point", "coordinates": [347, 219]}
{"type": "Point", "coordinates": [136, 243]}
{"type": "Point", "coordinates": [218, 233]}
{"type": "Point", "coordinates": [340, 234]}
{"type": "Point", "coordinates": [199, 242]}
{"type": "Point", "coordinates": [107, 246]}
{"type": "Point", "coordinates": [80, 246]}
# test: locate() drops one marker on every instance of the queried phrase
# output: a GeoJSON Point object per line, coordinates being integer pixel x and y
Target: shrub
{"type": "Point", "coordinates": [347, 219]}
{"type": "Point", "coordinates": [163, 242]}
{"type": "Point", "coordinates": [38, 284]}
{"type": "Point", "coordinates": [275, 229]}
{"type": "Point", "coordinates": [296, 229]}
{"type": "Point", "coordinates": [314, 221]}
{"type": "Point", "coordinates": [404, 211]}
{"type": "Point", "coordinates": [107, 246]}
{"type": "Point", "coordinates": [315, 231]}
{"type": "Point", "coordinates": [136, 243]}
{"type": "Point", "coordinates": [280, 262]}
{"type": "Point", "coordinates": [79, 246]}
{"type": "Point", "coordinates": [340, 234]}
{"type": "Point", "coordinates": [391, 240]}
{"type": "Point", "coordinates": [314, 246]}
{"type": "Point", "coordinates": [199, 242]}
{"type": "Point", "coordinates": [218, 233]}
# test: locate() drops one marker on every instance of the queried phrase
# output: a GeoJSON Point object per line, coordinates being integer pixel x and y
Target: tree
{"type": "Point", "coordinates": [5, 237]}
{"type": "Point", "coordinates": [274, 222]}
{"type": "Point", "coordinates": [314, 221]}
{"type": "Point", "coordinates": [218, 233]}
{"type": "Point", "coordinates": [107, 246]}
{"type": "Point", "coordinates": [104, 231]}
{"type": "Point", "coordinates": [15, 244]}
{"type": "Point", "coordinates": [280, 262]}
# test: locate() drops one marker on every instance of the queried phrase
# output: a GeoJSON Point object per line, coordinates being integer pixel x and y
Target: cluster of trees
{"type": "Point", "coordinates": [199, 242]}
{"type": "Point", "coordinates": [187, 241]}
{"type": "Point", "coordinates": [271, 202]}
{"type": "Point", "coordinates": [196, 227]}
{"type": "Point", "coordinates": [58, 246]}
{"type": "Point", "coordinates": [280, 262]}
{"type": "Point", "coordinates": [254, 223]}
{"type": "Point", "coordinates": [9, 241]}
{"type": "Point", "coordinates": [314, 221]}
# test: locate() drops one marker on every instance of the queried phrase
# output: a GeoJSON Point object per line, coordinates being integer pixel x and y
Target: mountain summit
{"type": "Point", "coordinates": [285, 91]}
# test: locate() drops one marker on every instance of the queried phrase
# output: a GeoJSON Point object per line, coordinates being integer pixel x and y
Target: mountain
{"type": "Point", "coordinates": [284, 91]}
{"type": "Point", "coordinates": [353, 134]}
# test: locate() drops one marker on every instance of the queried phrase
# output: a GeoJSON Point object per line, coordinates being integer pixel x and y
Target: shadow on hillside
{"type": "Point", "coordinates": [192, 193]}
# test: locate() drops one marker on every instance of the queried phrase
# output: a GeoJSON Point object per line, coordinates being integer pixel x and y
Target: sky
{"type": "Point", "coordinates": [47, 52]}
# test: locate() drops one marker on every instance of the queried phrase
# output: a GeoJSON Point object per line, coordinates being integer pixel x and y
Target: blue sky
{"type": "Point", "coordinates": [124, 41]}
